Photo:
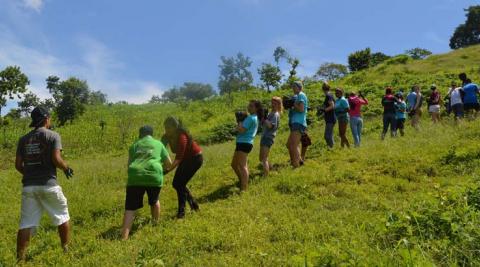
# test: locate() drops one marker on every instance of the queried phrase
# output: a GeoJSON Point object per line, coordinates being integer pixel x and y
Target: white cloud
{"type": "Point", "coordinates": [98, 65]}
{"type": "Point", "coordinates": [33, 4]}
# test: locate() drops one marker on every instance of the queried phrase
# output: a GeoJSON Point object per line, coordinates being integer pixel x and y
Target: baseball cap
{"type": "Point", "coordinates": [38, 115]}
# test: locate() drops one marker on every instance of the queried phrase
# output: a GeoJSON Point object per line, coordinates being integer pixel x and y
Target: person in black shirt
{"type": "Point", "coordinates": [389, 120]}
{"type": "Point", "coordinates": [329, 114]}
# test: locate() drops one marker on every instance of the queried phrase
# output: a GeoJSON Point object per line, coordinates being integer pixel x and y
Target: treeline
{"type": "Point", "coordinates": [68, 97]}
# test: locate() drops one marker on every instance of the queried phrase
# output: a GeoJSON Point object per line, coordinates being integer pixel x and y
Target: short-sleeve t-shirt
{"type": "Point", "coordinates": [329, 115]}
{"type": "Point", "coordinates": [411, 100]}
{"type": "Point", "coordinates": [296, 116]}
{"type": "Point", "coordinates": [341, 108]}
{"type": "Point", "coordinates": [36, 149]}
{"type": "Point", "coordinates": [456, 96]}
{"type": "Point", "coordinates": [471, 91]}
{"type": "Point", "coordinates": [251, 125]}
{"type": "Point", "coordinates": [145, 168]}
{"type": "Point", "coordinates": [274, 119]}
{"type": "Point", "coordinates": [400, 110]}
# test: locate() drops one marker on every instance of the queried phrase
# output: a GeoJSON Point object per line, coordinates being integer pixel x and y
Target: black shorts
{"type": "Point", "coordinates": [244, 147]}
{"type": "Point", "coordinates": [134, 198]}
{"type": "Point", "coordinates": [471, 106]}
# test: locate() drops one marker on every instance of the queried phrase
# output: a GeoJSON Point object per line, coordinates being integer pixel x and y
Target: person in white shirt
{"type": "Point", "coordinates": [456, 102]}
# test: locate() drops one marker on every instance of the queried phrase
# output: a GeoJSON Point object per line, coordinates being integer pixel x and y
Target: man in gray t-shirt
{"type": "Point", "coordinates": [38, 157]}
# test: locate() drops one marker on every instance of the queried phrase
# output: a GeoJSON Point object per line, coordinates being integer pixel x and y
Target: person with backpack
{"type": "Point", "coordinates": [434, 104]}
{"type": "Point", "coordinates": [188, 160]}
{"type": "Point", "coordinates": [246, 131]}
{"type": "Point", "coordinates": [470, 99]}
{"type": "Point", "coordinates": [341, 112]}
{"type": "Point", "coordinates": [297, 122]}
{"type": "Point", "coordinates": [400, 113]}
{"type": "Point", "coordinates": [328, 109]}
{"type": "Point", "coordinates": [356, 122]}
{"type": "Point", "coordinates": [456, 100]}
{"type": "Point", "coordinates": [269, 132]}
{"type": "Point", "coordinates": [37, 159]}
{"type": "Point", "coordinates": [389, 120]}
{"type": "Point", "coordinates": [147, 160]}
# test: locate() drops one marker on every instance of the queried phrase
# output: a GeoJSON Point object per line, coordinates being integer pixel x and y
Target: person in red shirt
{"type": "Point", "coordinates": [356, 121]}
{"type": "Point", "coordinates": [188, 160]}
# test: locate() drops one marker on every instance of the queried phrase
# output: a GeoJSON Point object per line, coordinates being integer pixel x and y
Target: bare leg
{"type": "Point", "coordinates": [264, 151]}
{"type": "Point", "coordinates": [234, 165]}
{"type": "Point", "coordinates": [243, 169]}
{"type": "Point", "coordinates": [294, 148]}
{"type": "Point", "coordinates": [23, 239]}
{"type": "Point", "coordinates": [127, 223]}
{"type": "Point", "coordinates": [155, 211]}
{"type": "Point", "coordinates": [64, 233]}
{"type": "Point", "coordinates": [304, 153]}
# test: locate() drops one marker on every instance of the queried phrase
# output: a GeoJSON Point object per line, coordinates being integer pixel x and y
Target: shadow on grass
{"type": "Point", "coordinates": [221, 193]}
{"type": "Point", "coordinates": [114, 232]}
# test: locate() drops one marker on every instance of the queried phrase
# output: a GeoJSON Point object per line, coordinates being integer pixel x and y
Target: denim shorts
{"type": "Point", "coordinates": [297, 127]}
{"type": "Point", "coordinates": [266, 141]}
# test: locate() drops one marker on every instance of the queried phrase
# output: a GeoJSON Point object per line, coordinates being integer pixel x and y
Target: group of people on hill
{"type": "Point", "coordinates": [39, 155]}
{"type": "Point", "coordinates": [39, 152]}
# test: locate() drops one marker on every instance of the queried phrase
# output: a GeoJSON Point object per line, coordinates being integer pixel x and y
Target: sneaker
{"type": "Point", "coordinates": [180, 215]}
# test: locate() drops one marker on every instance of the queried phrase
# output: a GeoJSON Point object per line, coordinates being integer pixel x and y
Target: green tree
{"type": "Point", "coordinates": [418, 53]}
{"type": "Point", "coordinates": [377, 58]}
{"type": "Point", "coordinates": [70, 97]}
{"type": "Point", "coordinates": [235, 74]}
{"type": "Point", "coordinates": [294, 62]}
{"type": "Point", "coordinates": [331, 71]}
{"type": "Point", "coordinates": [12, 83]}
{"type": "Point", "coordinates": [97, 98]}
{"type": "Point", "coordinates": [359, 60]}
{"type": "Point", "coordinates": [196, 91]}
{"type": "Point", "coordinates": [156, 99]}
{"type": "Point", "coordinates": [29, 101]}
{"type": "Point", "coordinates": [280, 53]}
{"type": "Point", "coordinates": [171, 95]}
{"type": "Point", "coordinates": [468, 33]}
{"type": "Point", "coordinates": [270, 75]}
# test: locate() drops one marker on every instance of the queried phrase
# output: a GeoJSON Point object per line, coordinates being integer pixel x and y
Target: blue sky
{"type": "Point", "coordinates": [134, 49]}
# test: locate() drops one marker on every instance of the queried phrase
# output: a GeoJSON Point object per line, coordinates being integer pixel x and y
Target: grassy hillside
{"type": "Point", "coordinates": [404, 201]}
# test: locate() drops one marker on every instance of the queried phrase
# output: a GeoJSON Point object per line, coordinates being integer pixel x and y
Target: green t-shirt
{"type": "Point", "coordinates": [146, 156]}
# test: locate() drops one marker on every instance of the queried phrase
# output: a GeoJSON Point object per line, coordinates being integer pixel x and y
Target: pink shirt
{"type": "Point", "coordinates": [356, 104]}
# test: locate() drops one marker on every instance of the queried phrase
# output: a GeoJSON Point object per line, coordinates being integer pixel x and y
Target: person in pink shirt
{"type": "Point", "coordinates": [355, 112]}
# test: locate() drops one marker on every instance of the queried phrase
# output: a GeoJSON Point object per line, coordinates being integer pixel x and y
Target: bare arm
{"type": "Point", "coordinates": [299, 106]}
{"type": "Point", "coordinates": [58, 160]}
{"type": "Point", "coordinates": [240, 128]}
{"type": "Point", "coordinates": [19, 164]}
{"type": "Point", "coordinates": [167, 164]}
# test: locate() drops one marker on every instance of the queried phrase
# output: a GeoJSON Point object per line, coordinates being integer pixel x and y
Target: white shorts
{"type": "Point", "coordinates": [434, 109]}
{"type": "Point", "coordinates": [36, 199]}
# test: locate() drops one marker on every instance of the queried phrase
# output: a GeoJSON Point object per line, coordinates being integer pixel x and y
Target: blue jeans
{"type": "Point", "coordinates": [329, 134]}
{"type": "Point", "coordinates": [356, 125]}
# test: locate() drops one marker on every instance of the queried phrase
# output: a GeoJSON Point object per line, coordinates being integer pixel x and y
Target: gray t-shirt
{"type": "Point", "coordinates": [36, 149]}
{"type": "Point", "coordinates": [274, 118]}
